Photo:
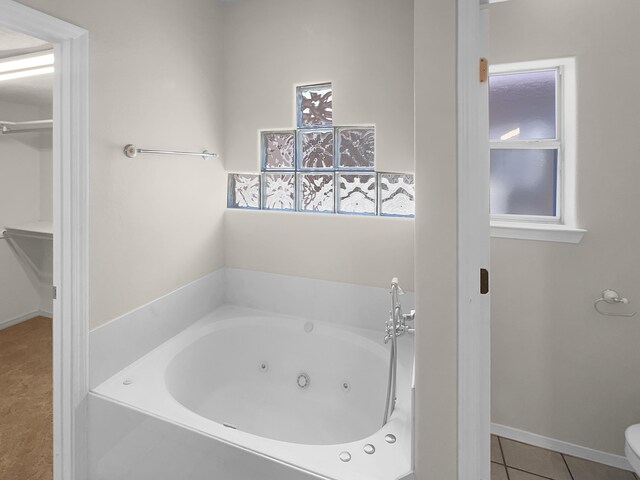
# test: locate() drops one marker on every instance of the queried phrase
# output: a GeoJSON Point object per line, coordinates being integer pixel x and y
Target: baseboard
{"type": "Point", "coordinates": [567, 448]}
{"type": "Point", "coordinates": [22, 318]}
{"type": "Point", "coordinates": [408, 476]}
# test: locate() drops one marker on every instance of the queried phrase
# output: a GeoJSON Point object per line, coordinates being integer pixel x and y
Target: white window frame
{"type": "Point", "coordinates": [563, 226]}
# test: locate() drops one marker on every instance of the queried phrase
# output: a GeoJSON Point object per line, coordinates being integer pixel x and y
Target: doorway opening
{"type": "Point", "coordinates": [66, 283]}
{"type": "Point", "coordinates": [26, 255]}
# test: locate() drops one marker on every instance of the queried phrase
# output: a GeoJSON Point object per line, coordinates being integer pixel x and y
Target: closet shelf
{"type": "Point", "coordinates": [7, 127]}
{"type": "Point", "coordinates": [43, 230]}
{"type": "Point", "coordinates": [32, 243]}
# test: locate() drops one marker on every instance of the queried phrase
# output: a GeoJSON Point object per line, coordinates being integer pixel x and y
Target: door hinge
{"type": "Point", "coordinates": [484, 281]}
{"type": "Point", "coordinates": [484, 70]}
{"type": "Point", "coordinates": [55, 292]}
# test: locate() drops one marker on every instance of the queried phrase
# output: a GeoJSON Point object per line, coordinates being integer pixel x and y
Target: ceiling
{"type": "Point", "coordinates": [33, 91]}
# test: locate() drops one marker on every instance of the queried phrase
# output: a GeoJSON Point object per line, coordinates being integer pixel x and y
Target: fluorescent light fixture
{"type": "Point", "coordinates": [513, 133]}
{"type": "Point", "coordinates": [23, 62]}
{"type": "Point", "coordinates": [32, 72]}
{"type": "Point", "coordinates": [26, 65]}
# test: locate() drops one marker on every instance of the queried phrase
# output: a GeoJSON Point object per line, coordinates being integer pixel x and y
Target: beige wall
{"type": "Point", "coordinates": [436, 235]}
{"type": "Point", "coordinates": [560, 369]}
{"type": "Point", "coordinates": [156, 221]}
{"type": "Point", "coordinates": [365, 48]}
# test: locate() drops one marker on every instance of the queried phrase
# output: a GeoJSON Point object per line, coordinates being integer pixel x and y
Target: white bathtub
{"type": "Point", "coordinates": [237, 375]}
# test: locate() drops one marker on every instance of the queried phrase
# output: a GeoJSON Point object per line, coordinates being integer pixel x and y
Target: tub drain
{"type": "Point", "coordinates": [303, 380]}
{"type": "Point", "coordinates": [263, 367]}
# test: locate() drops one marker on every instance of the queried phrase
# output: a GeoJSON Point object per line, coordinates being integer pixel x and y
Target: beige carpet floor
{"type": "Point", "coordinates": [25, 401]}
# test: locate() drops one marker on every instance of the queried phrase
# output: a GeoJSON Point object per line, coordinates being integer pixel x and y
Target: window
{"type": "Point", "coordinates": [322, 168]}
{"type": "Point", "coordinates": [532, 150]}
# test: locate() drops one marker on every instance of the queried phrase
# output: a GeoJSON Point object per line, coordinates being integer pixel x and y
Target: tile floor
{"type": "Point", "coordinates": [511, 460]}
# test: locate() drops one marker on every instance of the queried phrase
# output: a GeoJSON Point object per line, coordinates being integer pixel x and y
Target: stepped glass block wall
{"type": "Point", "coordinates": [322, 168]}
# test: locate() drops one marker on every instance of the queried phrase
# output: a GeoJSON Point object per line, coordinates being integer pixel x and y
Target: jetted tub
{"type": "Point", "coordinates": [299, 392]}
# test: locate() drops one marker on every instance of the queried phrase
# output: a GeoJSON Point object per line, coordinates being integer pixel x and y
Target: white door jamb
{"type": "Point", "coordinates": [474, 356]}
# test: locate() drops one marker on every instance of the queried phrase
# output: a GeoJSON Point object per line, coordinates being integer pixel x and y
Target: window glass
{"type": "Point", "coordinates": [279, 191]}
{"type": "Point", "coordinates": [357, 193]}
{"type": "Point", "coordinates": [524, 181]}
{"type": "Point", "coordinates": [315, 192]}
{"type": "Point", "coordinates": [396, 194]}
{"type": "Point", "coordinates": [522, 106]}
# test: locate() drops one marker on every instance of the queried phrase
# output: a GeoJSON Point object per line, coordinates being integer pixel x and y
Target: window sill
{"type": "Point", "coordinates": [534, 231]}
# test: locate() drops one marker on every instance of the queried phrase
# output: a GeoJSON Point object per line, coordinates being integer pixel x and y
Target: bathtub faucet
{"type": "Point", "coordinates": [396, 326]}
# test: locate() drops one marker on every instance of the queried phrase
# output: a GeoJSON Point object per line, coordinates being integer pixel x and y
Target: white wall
{"type": "Point", "coordinates": [155, 221]}
{"type": "Point", "coordinates": [365, 48]}
{"type": "Point", "coordinates": [46, 197]}
{"type": "Point", "coordinates": [436, 240]}
{"type": "Point", "coordinates": [46, 181]}
{"type": "Point", "coordinates": [46, 169]}
{"type": "Point", "coordinates": [560, 369]}
{"type": "Point", "coordinates": [20, 202]}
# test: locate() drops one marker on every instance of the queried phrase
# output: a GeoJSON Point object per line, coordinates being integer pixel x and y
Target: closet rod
{"type": "Point", "coordinates": [8, 131]}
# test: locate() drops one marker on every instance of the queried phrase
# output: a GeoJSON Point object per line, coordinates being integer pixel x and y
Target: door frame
{"type": "Point", "coordinates": [474, 333]}
{"type": "Point", "coordinates": [70, 227]}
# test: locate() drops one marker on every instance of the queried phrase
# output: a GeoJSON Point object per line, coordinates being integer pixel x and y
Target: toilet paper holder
{"type": "Point", "coordinates": [611, 297]}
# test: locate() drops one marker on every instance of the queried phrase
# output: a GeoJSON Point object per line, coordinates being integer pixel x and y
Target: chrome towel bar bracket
{"type": "Point", "coordinates": [132, 151]}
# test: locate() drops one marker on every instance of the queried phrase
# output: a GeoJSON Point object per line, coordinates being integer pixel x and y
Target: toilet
{"type": "Point", "coordinates": [632, 446]}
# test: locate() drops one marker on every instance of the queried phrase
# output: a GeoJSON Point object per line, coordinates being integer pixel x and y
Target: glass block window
{"type": "Point", "coordinates": [397, 195]}
{"type": "Point", "coordinates": [532, 141]}
{"type": "Point", "coordinates": [355, 147]}
{"type": "Point", "coordinates": [279, 191]}
{"type": "Point", "coordinates": [322, 168]}
{"type": "Point", "coordinates": [278, 150]}
{"type": "Point", "coordinates": [315, 105]}
{"type": "Point", "coordinates": [358, 193]}
{"type": "Point", "coordinates": [243, 191]}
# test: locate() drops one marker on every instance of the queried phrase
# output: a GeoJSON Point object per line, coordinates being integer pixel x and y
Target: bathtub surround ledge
{"type": "Point", "coordinates": [336, 302]}
{"type": "Point", "coordinates": [126, 339]}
